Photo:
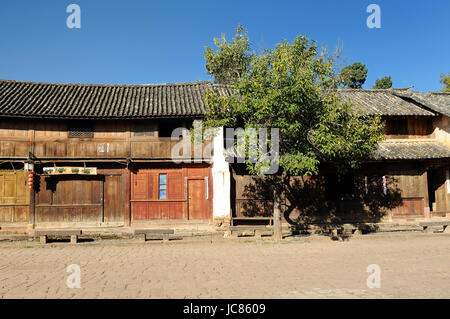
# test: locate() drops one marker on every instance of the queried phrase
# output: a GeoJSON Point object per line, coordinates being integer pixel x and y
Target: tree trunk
{"type": "Point", "coordinates": [277, 231]}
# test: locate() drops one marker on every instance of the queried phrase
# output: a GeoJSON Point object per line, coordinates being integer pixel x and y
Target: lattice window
{"type": "Point", "coordinates": [144, 129]}
{"type": "Point", "coordinates": [81, 131]}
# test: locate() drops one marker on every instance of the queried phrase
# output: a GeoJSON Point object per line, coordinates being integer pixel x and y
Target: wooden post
{"type": "Point", "coordinates": [127, 197]}
{"type": "Point", "coordinates": [427, 213]}
{"type": "Point", "coordinates": [73, 239]}
{"type": "Point", "coordinates": [43, 239]}
{"type": "Point", "coordinates": [32, 208]}
{"type": "Point", "coordinates": [277, 230]}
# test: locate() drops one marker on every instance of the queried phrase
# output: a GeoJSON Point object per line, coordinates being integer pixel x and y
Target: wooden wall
{"type": "Point", "coordinates": [408, 127]}
{"type": "Point", "coordinates": [81, 199]}
{"type": "Point", "coordinates": [49, 139]}
{"type": "Point", "coordinates": [188, 193]}
{"type": "Point", "coordinates": [16, 138]}
{"type": "Point", "coordinates": [407, 195]}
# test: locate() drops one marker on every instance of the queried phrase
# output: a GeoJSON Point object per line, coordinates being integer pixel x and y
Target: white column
{"type": "Point", "coordinates": [221, 179]}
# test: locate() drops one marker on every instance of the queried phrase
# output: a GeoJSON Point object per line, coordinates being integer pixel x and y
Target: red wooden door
{"type": "Point", "coordinates": [198, 203]}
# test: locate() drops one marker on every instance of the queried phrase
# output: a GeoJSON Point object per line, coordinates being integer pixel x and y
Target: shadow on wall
{"type": "Point", "coordinates": [322, 200]}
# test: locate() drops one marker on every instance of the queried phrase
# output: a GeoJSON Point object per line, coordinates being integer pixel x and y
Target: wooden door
{"type": "Point", "coordinates": [113, 207]}
{"type": "Point", "coordinates": [14, 197]}
{"type": "Point", "coordinates": [197, 199]}
{"type": "Point", "coordinates": [440, 193]}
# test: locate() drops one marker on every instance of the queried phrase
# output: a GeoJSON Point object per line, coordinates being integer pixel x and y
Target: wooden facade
{"type": "Point", "coordinates": [124, 131]}
{"type": "Point", "coordinates": [129, 157]}
{"type": "Point", "coordinates": [180, 192]}
{"type": "Point", "coordinates": [388, 189]}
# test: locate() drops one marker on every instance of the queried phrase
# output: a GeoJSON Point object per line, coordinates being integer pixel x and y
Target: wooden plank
{"type": "Point", "coordinates": [53, 232]}
{"type": "Point", "coordinates": [70, 199]}
{"type": "Point", "coordinates": [153, 231]}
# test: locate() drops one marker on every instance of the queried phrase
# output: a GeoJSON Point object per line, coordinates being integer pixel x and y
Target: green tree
{"type": "Point", "coordinates": [383, 83]}
{"type": "Point", "coordinates": [353, 76]}
{"type": "Point", "coordinates": [292, 87]}
{"type": "Point", "coordinates": [445, 80]}
{"type": "Point", "coordinates": [230, 60]}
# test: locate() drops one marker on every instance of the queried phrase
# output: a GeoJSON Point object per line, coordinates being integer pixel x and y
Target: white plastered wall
{"type": "Point", "coordinates": [221, 179]}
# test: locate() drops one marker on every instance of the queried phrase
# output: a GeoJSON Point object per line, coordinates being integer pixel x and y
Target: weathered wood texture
{"type": "Point", "coordinates": [406, 186]}
{"type": "Point", "coordinates": [48, 139]}
{"type": "Point", "coordinates": [81, 199]}
{"type": "Point", "coordinates": [408, 128]}
{"type": "Point", "coordinates": [15, 139]}
{"type": "Point", "coordinates": [14, 197]}
{"type": "Point", "coordinates": [188, 193]}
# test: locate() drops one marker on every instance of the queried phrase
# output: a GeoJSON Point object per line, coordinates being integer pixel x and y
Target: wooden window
{"type": "Point", "coordinates": [162, 186]}
{"type": "Point", "coordinates": [167, 127]}
{"type": "Point", "coordinates": [144, 129]}
{"type": "Point", "coordinates": [81, 130]}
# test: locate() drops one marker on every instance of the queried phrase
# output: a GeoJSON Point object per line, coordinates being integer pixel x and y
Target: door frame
{"type": "Point", "coordinates": [205, 179]}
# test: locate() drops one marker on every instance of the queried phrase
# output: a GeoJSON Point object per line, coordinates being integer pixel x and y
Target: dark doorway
{"type": "Point", "coordinates": [436, 189]}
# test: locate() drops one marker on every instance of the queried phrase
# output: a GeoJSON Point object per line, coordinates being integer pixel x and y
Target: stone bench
{"type": "Point", "coordinates": [438, 225]}
{"type": "Point", "coordinates": [256, 230]}
{"type": "Point", "coordinates": [143, 233]}
{"type": "Point", "coordinates": [44, 233]}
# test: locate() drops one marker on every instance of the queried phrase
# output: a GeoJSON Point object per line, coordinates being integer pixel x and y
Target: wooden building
{"type": "Point", "coordinates": [102, 156]}
{"type": "Point", "coordinates": [407, 179]}
{"type": "Point", "coordinates": [120, 135]}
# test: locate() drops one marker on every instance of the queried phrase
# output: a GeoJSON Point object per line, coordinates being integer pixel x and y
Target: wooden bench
{"type": "Point", "coordinates": [269, 219]}
{"type": "Point", "coordinates": [444, 224]}
{"type": "Point", "coordinates": [44, 233]}
{"type": "Point", "coordinates": [256, 230]}
{"type": "Point", "coordinates": [143, 233]}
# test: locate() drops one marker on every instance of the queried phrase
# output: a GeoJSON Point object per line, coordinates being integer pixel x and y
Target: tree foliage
{"type": "Point", "coordinates": [383, 83]}
{"type": "Point", "coordinates": [292, 87]}
{"type": "Point", "coordinates": [230, 60]}
{"type": "Point", "coordinates": [445, 80]}
{"type": "Point", "coordinates": [354, 76]}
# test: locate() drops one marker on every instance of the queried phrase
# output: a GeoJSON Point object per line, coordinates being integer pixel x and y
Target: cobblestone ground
{"type": "Point", "coordinates": [411, 267]}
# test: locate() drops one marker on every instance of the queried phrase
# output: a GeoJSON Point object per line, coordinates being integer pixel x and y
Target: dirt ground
{"type": "Point", "coordinates": [412, 266]}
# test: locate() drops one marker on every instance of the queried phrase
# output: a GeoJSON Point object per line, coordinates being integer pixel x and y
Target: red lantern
{"type": "Point", "coordinates": [30, 178]}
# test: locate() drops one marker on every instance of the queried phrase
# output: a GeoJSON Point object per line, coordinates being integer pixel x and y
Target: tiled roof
{"type": "Point", "coordinates": [411, 149]}
{"type": "Point", "coordinates": [83, 101]}
{"type": "Point", "coordinates": [436, 101]}
{"type": "Point", "coordinates": [49, 100]}
{"type": "Point", "coordinates": [382, 102]}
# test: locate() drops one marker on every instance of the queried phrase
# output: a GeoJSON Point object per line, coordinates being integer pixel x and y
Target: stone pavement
{"type": "Point", "coordinates": [411, 267]}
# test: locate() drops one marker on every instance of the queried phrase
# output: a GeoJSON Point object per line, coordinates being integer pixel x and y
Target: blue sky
{"type": "Point", "coordinates": [137, 41]}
